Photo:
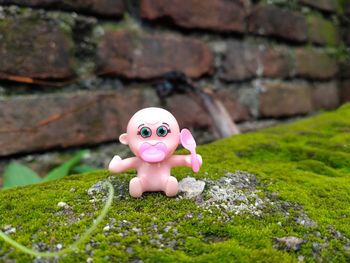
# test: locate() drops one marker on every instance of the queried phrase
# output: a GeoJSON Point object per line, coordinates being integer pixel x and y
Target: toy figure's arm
{"type": "Point", "coordinates": [183, 160]}
{"type": "Point", "coordinates": [118, 165]}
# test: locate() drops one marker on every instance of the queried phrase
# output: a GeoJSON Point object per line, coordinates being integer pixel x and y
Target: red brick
{"type": "Point", "coordinates": [245, 61]}
{"type": "Point", "coordinates": [269, 20]}
{"type": "Point", "coordinates": [99, 7]}
{"type": "Point", "coordinates": [220, 15]}
{"type": "Point", "coordinates": [313, 64]}
{"type": "Point", "coordinates": [36, 123]}
{"type": "Point", "coordinates": [325, 96]}
{"type": "Point", "coordinates": [345, 91]}
{"type": "Point", "coordinates": [234, 107]}
{"type": "Point", "coordinates": [240, 62]}
{"type": "Point", "coordinates": [34, 48]}
{"type": "Point", "coordinates": [277, 62]}
{"type": "Point", "coordinates": [325, 5]}
{"type": "Point", "coordinates": [279, 99]}
{"type": "Point", "coordinates": [188, 111]}
{"type": "Point", "coordinates": [144, 56]}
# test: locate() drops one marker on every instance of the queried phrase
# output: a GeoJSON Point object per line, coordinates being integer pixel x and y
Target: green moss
{"type": "Point", "coordinates": [127, 24]}
{"type": "Point", "coordinates": [306, 164]}
{"type": "Point", "coordinates": [330, 33]}
{"type": "Point", "coordinates": [65, 21]}
{"type": "Point", "coordinates": [322, 30]}
{"type": "Point", "coordinates": [341, 6]}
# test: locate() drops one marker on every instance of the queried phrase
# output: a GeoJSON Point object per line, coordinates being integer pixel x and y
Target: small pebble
{"type": "Point", "coordinates": [129, 250]}
{"type": "Point", "coordinates": [167, 228]}
{"type": "Point", "coordinates": [301, 258]}
{"type": "Point", "coordinates": [8, 229]}
{"type": "Point", "coordinates": [135, 229]}
{"type": "Point", "coordinates": [191, 187]}
{"type": "Point", "coordinates": [290, 242]}
{"type": "Point", "coordinates": [189, 215]}
{"type": "Point", "coordinates": [62, 204]}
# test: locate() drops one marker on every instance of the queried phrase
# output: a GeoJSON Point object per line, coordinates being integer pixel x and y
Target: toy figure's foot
{"type": "Point", "coordinates": [172, 186]}
{"type": "Point", "coordinates": [135, 187]}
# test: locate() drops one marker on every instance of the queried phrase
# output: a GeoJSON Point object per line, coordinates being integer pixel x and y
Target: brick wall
{"type": "Point", "coordinates": [72, 72]}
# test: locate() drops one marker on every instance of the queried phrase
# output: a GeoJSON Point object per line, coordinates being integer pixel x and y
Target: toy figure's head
{"type": "Point", "coordinates": [153, 134]}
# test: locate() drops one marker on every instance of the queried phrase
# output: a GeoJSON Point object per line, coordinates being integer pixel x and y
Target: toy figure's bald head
{"type": "Point", "coordinates": [151, 116]}
{"type": "Point", "coordinates": [152, 131]}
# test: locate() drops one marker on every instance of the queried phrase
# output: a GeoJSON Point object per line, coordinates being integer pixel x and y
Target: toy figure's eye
{"type": "Point", "coordinates": [145, 132]}
{"type": "Point", "coordinates": [162, 131]}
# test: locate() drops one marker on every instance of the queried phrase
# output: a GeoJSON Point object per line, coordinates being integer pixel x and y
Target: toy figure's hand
{"type": "Point", "coordinates": [188, 160]}
{"type": "Point", "coordinates": [196, 163]}
{"type": "Point", "coordinates": [199, 157]}
{"type": "Point", "coordinates": [113, 165]}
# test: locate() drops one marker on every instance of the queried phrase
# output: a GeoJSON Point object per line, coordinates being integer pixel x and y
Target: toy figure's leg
{"type": "Point", "coordinates": [135, 187]}
{"type": "Point", "coordinates": [172, 186]}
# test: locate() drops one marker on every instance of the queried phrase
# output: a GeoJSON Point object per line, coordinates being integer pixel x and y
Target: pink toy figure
{"type": "Point", "coordinates": [153, 135]}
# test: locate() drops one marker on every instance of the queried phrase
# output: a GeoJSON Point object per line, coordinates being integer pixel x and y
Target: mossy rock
{"type": "Point", "coordinates": [294, 182]}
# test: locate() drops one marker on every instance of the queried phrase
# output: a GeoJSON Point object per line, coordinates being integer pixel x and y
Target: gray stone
{"type": "Point", "coordinates": [97, 188]}
{"type": "Point", "coordinates": [62, 204]}
{"type": "Point", "coordinates": [129, 250]}
{"type": "Point", "coordinates": [8, 229]}
{"type": "Point", "coordinates": [191, 187]}
{"type": "Point", "coordinates": [289, 242]}
{"type": "Point", "coordinates": [304, 220]}
{"type": "Point", "coordinates": [235, 193]}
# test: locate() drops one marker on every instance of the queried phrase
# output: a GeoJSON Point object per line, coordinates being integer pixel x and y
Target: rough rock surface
{"type": "Point", "coordinates": [292, 180]}
{"type": "Point", "coordinates": [235, 192]}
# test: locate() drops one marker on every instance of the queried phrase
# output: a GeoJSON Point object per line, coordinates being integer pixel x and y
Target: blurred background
{"type": "Point", "coordinates": [73, 72]}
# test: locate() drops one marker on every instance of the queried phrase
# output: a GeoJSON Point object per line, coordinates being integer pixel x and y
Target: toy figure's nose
{"type": "Point", "coordinates": [153, 142]}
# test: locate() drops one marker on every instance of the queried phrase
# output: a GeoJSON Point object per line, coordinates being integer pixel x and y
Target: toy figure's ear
{"type": "Point", "coordinates": [124, 139]}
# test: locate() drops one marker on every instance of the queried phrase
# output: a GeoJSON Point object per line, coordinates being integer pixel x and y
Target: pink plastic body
{"type": "Point", "coordinates": [153, 135]}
